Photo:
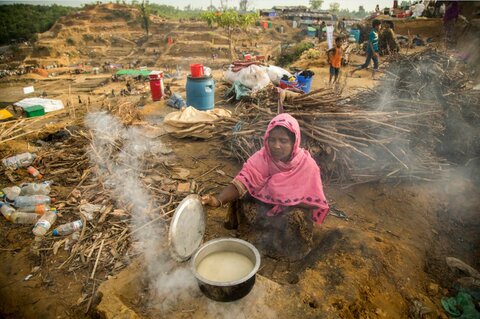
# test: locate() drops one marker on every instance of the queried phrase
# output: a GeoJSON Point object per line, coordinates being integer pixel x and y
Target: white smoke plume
{"type": "Point", "coordinates": [118, 151]}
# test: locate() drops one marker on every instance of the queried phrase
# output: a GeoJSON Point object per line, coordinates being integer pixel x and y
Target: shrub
{"type": "Point", "coordinates": [292, 54]}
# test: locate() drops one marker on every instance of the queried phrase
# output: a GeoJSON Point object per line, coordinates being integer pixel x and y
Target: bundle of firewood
{"type": "Point", "coordinates": [390, 132]}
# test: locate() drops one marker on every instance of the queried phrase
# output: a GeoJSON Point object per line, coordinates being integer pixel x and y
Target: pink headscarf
{"type": "Point", "coordinates": [285, 183]}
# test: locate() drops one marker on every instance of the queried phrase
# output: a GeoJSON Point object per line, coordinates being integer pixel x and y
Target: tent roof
{"type": "Point", "coordinates": [49, 104]}
{"type": "Point", "coordinates": [134, 72]}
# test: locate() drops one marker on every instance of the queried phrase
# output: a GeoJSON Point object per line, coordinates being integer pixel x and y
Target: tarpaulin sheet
{"type": "Point", "coordinates": [48, 104]}
{"type": "Point", "coordinates": [191, 122]}
{"type": "Point", "coordinates": [144, 73]}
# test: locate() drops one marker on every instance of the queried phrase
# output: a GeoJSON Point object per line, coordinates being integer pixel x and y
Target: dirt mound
{"type": "Point", "coordinates": [111, 32]}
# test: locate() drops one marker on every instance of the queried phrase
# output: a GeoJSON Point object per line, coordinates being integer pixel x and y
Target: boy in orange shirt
{"type": "Point", "coordinates": [335, 60]}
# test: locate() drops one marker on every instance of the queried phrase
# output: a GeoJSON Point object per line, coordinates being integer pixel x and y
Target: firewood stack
{"type": "Point", "coordinates": [390, 132]}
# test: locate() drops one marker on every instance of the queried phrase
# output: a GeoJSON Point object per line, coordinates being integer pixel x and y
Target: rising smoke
{"type": "Point", "coordinates": [433, 117]}
{"type": "Point", "coordinates": [119, 154]}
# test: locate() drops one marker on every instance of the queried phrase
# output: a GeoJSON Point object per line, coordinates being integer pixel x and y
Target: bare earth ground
{"type": "Point", "coordinates": [382, 261]}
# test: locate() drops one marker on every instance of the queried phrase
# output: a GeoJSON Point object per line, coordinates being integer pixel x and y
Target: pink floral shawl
{"type": "Point", "coordinates": [285, 183]}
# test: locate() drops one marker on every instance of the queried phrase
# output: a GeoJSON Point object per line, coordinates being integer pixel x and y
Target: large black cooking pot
{"type": "Point", "coordinates": [229, 290]}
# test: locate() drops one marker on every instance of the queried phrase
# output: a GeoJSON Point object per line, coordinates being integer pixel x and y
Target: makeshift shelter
{"type": "Point", "coordinates": [48, 104]}
{"type": "Point", "coordinates": [144, 73]}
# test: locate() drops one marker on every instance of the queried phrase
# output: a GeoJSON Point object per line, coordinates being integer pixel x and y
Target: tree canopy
{"type": "Point", "coordinates": [20, 22]}
{"type": "Point", "coordinates": [334, 7]}
{"type": "Point", "coordinates": [316, 4]}
{"type": "Point", "coordinates": [229, 20]}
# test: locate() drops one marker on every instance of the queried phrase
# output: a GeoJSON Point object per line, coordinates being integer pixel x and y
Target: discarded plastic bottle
{"type": "Point", "coordinates": [34, 172]}
{"type": "Point", "coordinates": [24, 218]}
{"type": "Point", "coordinates": [44, 223]}
{"type": "Point", "coordinates": [35, 188]}
{"type": "Point", "coordinates": [6, 210]}
{"type": "Point", "coordinates": [32, 200]}
{"type": "Point", "coordinates": [67, 229]}
{"type": "Point", "coordinates": [20, 160]}
{"type": "Point", "coordinates": [37, 209]}
{"type": "Point", "coordinates": [11, 192]}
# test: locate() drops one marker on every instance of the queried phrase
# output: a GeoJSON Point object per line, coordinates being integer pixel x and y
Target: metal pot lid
{"type": "Point", "coordinates": [187, 227]}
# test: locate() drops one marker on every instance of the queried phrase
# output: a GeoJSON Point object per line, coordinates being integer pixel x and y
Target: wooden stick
{"type": "Point", "coordinates": [98, 258]}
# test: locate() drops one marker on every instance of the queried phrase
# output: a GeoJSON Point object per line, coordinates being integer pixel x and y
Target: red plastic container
{"type": "Point", "coordinates": [196, 70]}
{"type": "Point", "coordinates": [156, 85]}
{"type": "Point", "coordinates": [288, 85]}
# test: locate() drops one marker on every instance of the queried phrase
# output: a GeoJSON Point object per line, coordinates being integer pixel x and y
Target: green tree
{"type": "Point", "coordinates": [21, 22]}
{"type": "Point", "coordinates": [361, 10]}
{"type": "Point", "coordinates": [224, 5]}
{"type": "Point", "coordinates": [229, 21]}
{"type": "Point", "coordinates": [243, 5]}
{"type": "Point", "coordinates": [335, 7]}
{"type": "Point", "coordinates": [145, 11]}
{"type": "Point", "coordinates": [316, 4]}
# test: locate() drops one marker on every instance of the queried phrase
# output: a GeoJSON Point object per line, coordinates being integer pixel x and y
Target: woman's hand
{"type": "Point", "coordinates": [211, 200]}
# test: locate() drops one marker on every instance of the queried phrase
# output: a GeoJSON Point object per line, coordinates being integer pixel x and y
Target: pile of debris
{"type": "Point", "coordinates": [91, 170]}
{"type": "Point", "coordinates": [387, 133]}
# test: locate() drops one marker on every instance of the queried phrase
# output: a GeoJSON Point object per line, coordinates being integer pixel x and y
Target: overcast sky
{"type": "Point", "coordinates": [369, 5]}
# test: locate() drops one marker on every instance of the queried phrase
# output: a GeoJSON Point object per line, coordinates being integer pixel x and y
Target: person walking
{"type": "Point", "coordinates": [372, 49]}
{"type": "Point", "coordinates": [320, 31]}
{"type": "Point", "coordinates": [341, 25]}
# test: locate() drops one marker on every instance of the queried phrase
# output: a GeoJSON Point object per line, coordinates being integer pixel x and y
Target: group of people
{"type": "Point", "coordinates": [335, 55]}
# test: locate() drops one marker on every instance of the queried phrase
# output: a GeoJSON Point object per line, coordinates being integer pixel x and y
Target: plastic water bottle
{"type": "Point", "coordinates": [20, 160]}
{"type": "Point", "coordinates": [67, 229]}
{"type": "Point", "coordinates": [11, 192]}
{"type": "Point", "coordinates": [35, 188]}
{"type": "Point", "coordinates": [34, 172]}
{"type": "Point", "coordinates": [6, 210]}
{"type": "Point", "coordinates": [24, 218]}
{"type": "Point", "coordinates": [37, 209]}
{"type": "Point", "coordinates": [32, 200]}
{"type": "Point", "coordinates": [44, 223]}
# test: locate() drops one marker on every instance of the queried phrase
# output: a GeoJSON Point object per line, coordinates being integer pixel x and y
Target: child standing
{"type": "Point", "coordinates": [335, 56]}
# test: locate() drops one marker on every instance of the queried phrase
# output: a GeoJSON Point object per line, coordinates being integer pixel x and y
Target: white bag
{"type": "Point", "coordinates": [253, 77]}
{"type": "Point", "coordinates": [275, 73]}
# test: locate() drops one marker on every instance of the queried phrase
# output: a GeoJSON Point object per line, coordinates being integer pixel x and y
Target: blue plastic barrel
{"type": "Point", "coordinates": [304, 83]}
{"type": "Point", "coordinates": [356, 34]}
{"type": "Point", "coordinates": [201, 92]}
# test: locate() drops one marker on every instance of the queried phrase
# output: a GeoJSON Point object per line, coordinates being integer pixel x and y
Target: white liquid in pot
{"type": "Point", "coordinates": [225, 266]}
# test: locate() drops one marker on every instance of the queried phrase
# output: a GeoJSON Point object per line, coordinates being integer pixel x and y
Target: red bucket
{"type": "Point", "coordinates": [196, 70]}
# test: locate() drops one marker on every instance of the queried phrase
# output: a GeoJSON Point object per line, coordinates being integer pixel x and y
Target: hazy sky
{"type": "Point", "coordinates": [369, 5]}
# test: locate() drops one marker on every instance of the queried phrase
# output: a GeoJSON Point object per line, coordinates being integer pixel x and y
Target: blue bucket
{"type": "Point", "coordinates": [201, 92]}
{"type": "Point", "coordinates": [356, 34]}
{"type": "Point", "coordinates": [304, 83]}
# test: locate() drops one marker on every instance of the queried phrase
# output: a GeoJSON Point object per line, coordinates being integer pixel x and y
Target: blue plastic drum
{"type": "Point", "coordinates": [201, 92]}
